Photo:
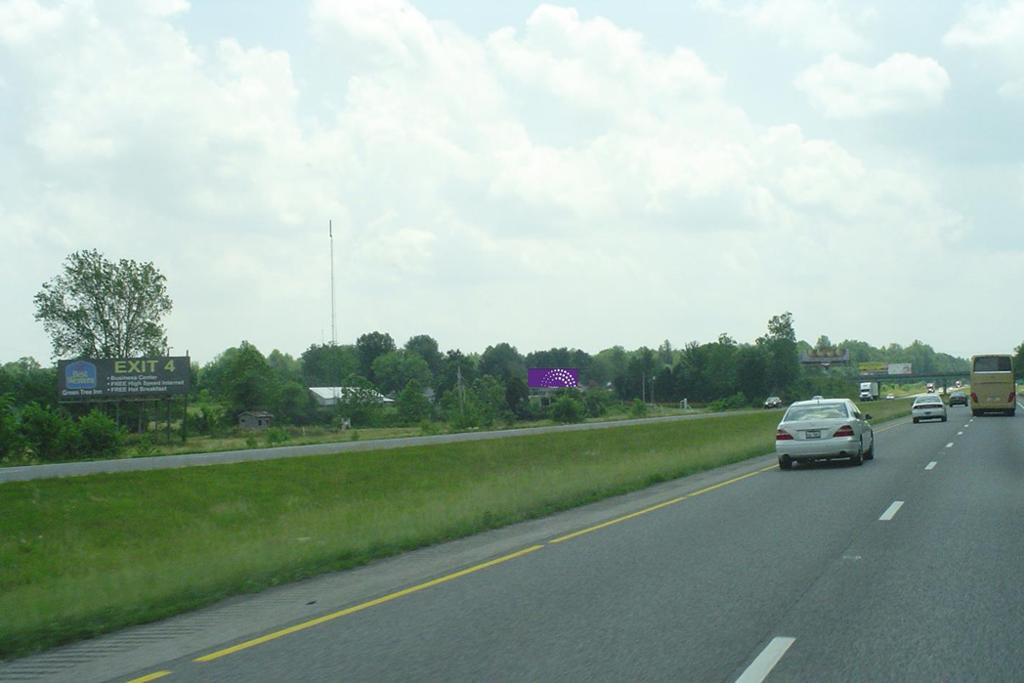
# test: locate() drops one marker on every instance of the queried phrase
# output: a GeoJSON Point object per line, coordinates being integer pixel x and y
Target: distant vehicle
{"type": "Point", "coordinates": [957, 398]}
{"type": "Point", "coordinates": [889, 397]}
{"type": "Point", "coordinates": [824, 429]}
{"type": "Point", "coordinates": [773, 402]}
{"type": "Point", "coordinates": [959, 384]}
{"type": "Point", "coordinates": [930, 387]}
{"type": "Point", "coordinates": [868, 391]}
{"type": "Point", "coordinates": [928, 408]}
{"type": "Point", "coordinates": [992, 387]}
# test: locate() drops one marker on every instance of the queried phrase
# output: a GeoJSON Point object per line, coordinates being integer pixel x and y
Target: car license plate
{"type": "Point", "coordinates": [812, 434]}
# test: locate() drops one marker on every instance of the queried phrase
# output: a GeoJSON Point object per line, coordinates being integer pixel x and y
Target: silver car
{"type": "Point", "coordinates": [824, 429]}
{"type": "Point", "coordinates": [928, 407]}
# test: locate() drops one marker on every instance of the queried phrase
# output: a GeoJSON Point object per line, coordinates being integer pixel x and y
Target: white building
{"type": "Point", "coordinates": [329, 396]}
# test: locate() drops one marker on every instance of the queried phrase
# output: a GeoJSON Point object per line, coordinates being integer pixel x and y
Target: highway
{"type": "Point", "coordinates": [906, 568]}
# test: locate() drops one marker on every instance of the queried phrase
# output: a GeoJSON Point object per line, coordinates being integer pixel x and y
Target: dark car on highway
{"type": "Point", "coordinates": [957, 398]}
{"type": "Point", "coordinates": [773, 402]}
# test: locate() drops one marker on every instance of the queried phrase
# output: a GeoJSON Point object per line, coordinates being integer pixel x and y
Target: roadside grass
{"type": "Point", "coordinates": [82, 556]}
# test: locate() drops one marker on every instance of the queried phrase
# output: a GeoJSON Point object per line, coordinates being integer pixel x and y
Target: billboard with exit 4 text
{"type": "Point", "coordinates": [117, 379]}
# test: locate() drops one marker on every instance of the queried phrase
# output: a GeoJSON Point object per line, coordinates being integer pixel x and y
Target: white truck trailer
{"type": "Point", "coordinates": [869, 391]}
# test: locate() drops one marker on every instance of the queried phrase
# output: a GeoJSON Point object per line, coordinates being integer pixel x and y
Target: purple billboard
{"type": "Point", "coordinates": [539, 378]}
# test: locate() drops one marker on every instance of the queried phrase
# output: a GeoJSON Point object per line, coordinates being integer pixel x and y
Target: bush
{"type": "Point", "coordinates": [638, 409]}
{"type": "Point", "coordinates": [99, 435]}
{"type": "Point", "coordinates": [596, 402]}
{"type": "Point", "coordinates": [428, 428]}
{"type": "Point", "coordinates": [737, 400]}
{"type": "Point", "coordinates": [251, 441]}
{"type": "Point", "coordinates": [567, 410]}
{"type": "Point", "coordinates": [11, 442]}
{"type": "Point", "coordinates": [145, 446]}
{"type": "Point", "coordinates": [49, 435]}
{"type": "Point", "coordinates": [276, 435]}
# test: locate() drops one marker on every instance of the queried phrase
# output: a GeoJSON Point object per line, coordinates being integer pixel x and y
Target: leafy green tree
{"type": "Point", "coordinates": [752, 371]}
{"type": "Point", "coordinates": [26, 382]}
{"type": "Point", "coordinates": [426, 347]}
{"type": "Point", "coordinates": [502, 361]}
{"type": "Point", "coordinates": [780, 343]}
{"type": "Point", "coordinates": [1018, 361]}
{"type": "Point", "coordinates": [325, 365]}
{"type": "Point", "coordinates": [517, 397]}
{"type": "Point", "coordinates": [242, 380]}
{"type": "Point", "coordinates": [98, 308]}
{"type": "Point", "coordinates": [11, 442]}
{"type": "Point", "coordinates": [607, 365]}
{"type": "Point", "coordinates": [360, 402]}
{"type": "Point", "coordinates": [369, 347]}
{"type": "Point", "coordinates": [286, 367]}
{"type": "Point", "coordinates": [413, 405]}
{"type": "Point", "coordinates": [393, 370]}
{"type": "Point", "coordinates": [456, 363]}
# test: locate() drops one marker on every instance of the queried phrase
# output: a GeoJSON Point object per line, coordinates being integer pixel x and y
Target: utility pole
{"type": "Point", "coordinates": [462, 391]}
{"type": "Point", "coordinates": [334, 328]}
{"type": "Point", "coordinates": [643, 387]}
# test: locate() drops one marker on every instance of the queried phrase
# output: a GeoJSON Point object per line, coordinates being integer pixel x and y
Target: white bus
{"type": "Point", "coordinates": [992, 387]}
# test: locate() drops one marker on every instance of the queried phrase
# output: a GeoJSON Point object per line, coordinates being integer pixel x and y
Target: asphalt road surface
{"type": "Point", "coordinates": [906, 568]}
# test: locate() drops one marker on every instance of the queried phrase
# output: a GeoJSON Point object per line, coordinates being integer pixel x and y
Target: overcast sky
{"type": "Point", "coordinates": [547, 175]}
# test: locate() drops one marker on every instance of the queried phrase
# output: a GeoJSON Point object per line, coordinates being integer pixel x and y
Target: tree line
{"type": "Point", "coordinates": [100, 308]}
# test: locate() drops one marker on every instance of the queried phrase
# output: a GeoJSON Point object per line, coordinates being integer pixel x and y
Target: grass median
{"type": "Point", "coordinates": [87, 555]}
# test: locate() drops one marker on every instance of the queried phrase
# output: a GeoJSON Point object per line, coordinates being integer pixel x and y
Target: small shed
{"type": "Point", "coordinates": [255, 419]}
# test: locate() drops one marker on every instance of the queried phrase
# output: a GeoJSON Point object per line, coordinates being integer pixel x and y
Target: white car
{"type": "Point", "coordinates": [928, 407]}
{"type": "Point", "coordinates": [824, 429]}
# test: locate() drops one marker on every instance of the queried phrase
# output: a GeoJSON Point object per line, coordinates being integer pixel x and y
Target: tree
{"type": "Point", "coordinates": [1018, 361]}
{"type": "Point", "coordinates": [413, 406]}
{"type": "Point", "coordinates": [783, 364]}
{"type": "Point", "coordinates": [371, 345]}
{"type": "Point", "coordinates": [394, 369]}
{"type": "Point", "coordinates": [100, 309]}
{"type": "Point", "coordinates": [241, 378]}
{"type": "Point", "coordinates": [502, 361]}
{"type": "Point", "coordinates": [426, 347]}
{"type": "Point", "coordinates": [325, 365]}
{"type": "Point", "coordinates": [455, 364]}
{"type": "Point", "coordinates": [10, 438]}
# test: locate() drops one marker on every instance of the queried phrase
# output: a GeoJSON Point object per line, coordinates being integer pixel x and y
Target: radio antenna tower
{"type": "Point", "coordinates": [334, 327]}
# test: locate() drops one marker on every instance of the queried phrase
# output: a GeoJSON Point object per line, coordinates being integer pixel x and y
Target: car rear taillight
{"type": "Point", "coordinates": [845, 430]}
{"type": "Point", "coordinates": [781, 435]}
{"type": "Point", "coordinates": [1013, 395]}
{"type": "Point", "coordinates": [974, 397]}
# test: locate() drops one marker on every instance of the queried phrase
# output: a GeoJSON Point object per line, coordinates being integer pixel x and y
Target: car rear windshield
{"type": "Point", "coordinates": [930, 400]}
{"type": "Point", "coordinates": [828, 411]}
{"type": "Point", "coordinates": [992, 364]}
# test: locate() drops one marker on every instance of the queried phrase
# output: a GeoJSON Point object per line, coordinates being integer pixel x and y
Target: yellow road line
{"type": "Point", "coordinates": [631, 515]}
{"type": "Point", "coordinates": [150, 677]}
{"type": "Point", "coordinates": [448, 577]}
{"type": "Point", "coordinates": [652, 508]}
{"type": "Point", "coordinates": [362, 606]}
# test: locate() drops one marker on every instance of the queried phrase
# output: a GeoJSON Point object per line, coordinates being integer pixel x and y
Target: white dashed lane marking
{"type": "Point", "coordinates": [931, 465]}
{"type": "Point", "coordinates": [891, 511]}
{"type": "Point", "coordinates": [766, 661]}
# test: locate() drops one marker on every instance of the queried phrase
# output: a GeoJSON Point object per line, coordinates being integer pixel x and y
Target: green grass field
{"type": "Point", "coordinates": [86, 555]}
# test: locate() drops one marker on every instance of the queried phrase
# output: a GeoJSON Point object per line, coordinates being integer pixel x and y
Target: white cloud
{"type": "Point", "coordinates": [988, 26]}
{"type": "Point", "coordinates": [845, 89]}
{"type": "Point", "coordinates": [459, 210]}
{"type": "Point", "coordinates": [817, 25]}
{"type": "Point", "coordinates": [998, 32]}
